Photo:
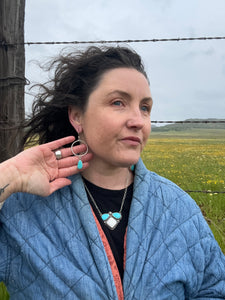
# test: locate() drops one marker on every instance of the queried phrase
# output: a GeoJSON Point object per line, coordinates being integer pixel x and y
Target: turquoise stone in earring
{"type": "Point", "coordinates": [79, 141]}
{"type": "Point", "coordinates": [80, 165]}
{"type": "Point", "coordinates": [132, 168]}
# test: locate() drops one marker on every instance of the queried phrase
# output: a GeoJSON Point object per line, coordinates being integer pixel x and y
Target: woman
{"type": "Point", "coordinates": [109, 231]}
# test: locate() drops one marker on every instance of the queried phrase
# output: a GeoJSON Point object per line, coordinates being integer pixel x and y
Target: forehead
{"type": "Point", "coordinates": [127, 79]}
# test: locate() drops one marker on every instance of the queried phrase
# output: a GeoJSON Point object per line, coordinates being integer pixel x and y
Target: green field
{"type": "Point", "coordinates": [3, 292]}
{"type": "Point", "coordinates": [195, 160]}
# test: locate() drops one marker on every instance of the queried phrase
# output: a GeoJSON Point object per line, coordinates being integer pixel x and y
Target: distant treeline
{"type": "Point", "coordinates": [188, 126]}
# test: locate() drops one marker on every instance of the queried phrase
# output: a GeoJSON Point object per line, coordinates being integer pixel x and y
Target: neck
{"type": "Point", "coordinates": [113, 178]}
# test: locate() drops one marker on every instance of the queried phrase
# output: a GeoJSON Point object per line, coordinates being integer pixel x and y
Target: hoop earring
{"type": "Point", "coordinates": [80, 164]}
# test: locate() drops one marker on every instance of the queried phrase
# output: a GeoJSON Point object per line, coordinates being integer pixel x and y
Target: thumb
{"type": "Point", "coordinates": [58, 184]}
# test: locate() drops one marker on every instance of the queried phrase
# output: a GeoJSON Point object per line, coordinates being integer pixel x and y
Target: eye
{"type": "Point", "coordinates": [145, 108]}
{"type": "Point", "coordinates": [117, 103]}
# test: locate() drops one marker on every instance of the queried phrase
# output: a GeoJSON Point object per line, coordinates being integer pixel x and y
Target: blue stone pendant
{"type": "Point", "coordinates": [111, 220]}
{"type": "Point", "coordinates": [80, 165]}
{"type": "Point", "coordinates": [132, 168]}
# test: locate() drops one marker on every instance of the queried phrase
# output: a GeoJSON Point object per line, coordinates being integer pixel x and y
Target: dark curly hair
{"type": "Point", "coordinates": [76, 75]}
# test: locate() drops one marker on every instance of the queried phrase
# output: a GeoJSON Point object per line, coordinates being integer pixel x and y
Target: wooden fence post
{"type": "Point", "coordinates": [12, 66]}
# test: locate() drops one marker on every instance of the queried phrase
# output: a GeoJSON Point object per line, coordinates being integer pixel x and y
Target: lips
{"type": "Point", "coordinates": [132, 140]}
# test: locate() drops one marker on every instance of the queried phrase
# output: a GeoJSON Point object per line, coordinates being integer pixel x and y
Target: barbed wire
{"type": "Point", "coordinates": [172, 122]}
{"type": "Point", "coordinates": [190, 121]}
{"type": "Point", "coordinates": [178, 39]}
{"type": "Point", "coordinates": [206, 192]}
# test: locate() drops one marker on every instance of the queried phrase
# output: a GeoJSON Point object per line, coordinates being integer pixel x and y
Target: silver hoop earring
{"type": "Point", "coordinates": [80, 164]}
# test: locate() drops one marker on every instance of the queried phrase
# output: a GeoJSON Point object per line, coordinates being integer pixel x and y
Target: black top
{"type": "Point", "coordinates": [110, 200]}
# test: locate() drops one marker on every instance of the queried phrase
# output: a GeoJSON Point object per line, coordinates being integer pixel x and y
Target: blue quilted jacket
{"type": "Point", "coordinates": [50, 248]}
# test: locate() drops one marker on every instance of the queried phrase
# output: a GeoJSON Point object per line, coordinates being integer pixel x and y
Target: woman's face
{"type": "Point", "coordinates": [116, 123]}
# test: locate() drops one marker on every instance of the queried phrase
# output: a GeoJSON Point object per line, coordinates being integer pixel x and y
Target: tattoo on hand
{"type": "Point", "coordinates": [3, 189]}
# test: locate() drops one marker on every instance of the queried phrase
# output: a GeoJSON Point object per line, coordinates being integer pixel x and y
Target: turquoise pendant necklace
{"type": "Point", "coordinates": [110, 219]}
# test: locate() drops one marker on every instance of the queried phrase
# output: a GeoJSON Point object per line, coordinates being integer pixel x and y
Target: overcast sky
{"type": "Point", "coordinates": [187, 79]}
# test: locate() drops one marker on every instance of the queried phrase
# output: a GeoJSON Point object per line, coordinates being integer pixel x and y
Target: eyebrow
{"type": "Point", "coordinates": [127, 95]}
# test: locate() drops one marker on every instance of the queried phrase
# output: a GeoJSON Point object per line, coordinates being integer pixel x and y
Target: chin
{"type": "Point", "coordinates": [126, 163]}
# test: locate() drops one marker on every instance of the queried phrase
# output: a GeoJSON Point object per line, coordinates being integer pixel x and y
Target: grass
{"type": "Point", "coordinates": [3, 292]}
{"type": "Point", "coordinates": [195, 160]}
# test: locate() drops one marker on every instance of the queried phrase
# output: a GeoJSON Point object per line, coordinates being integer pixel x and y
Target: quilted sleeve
{"type": "Point", "coordinates": [3, 253]}
{"type": "Point", "coordinates": [206, 262]}
{"type": "Point", "coordinates": [170, 245]}
{"type": "Point", "coordinates": [6, 213]}
{"type": "Point", "coordinates": [197, 253]}
{"type": "Point", "coordinates": [191, 242]}
{"type": "Point", "coordinates": [213, 278]}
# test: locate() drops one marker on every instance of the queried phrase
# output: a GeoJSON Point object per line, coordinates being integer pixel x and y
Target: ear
{"type": "Point", "coordinates": [74, 115]}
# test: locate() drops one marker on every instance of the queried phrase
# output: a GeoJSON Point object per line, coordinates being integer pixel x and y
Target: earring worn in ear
{"type": "Point", "coordinates": [80, 164]}
{"type": "Point", "coordinates": [132, 167]}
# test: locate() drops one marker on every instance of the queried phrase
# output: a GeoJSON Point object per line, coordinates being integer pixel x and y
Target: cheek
{"type": "Point", "coordinates": [107, 128]}
{"type": "Point", "coordinates": [98, 135]}
{"type": "Point", "coordinates": [147, 131]}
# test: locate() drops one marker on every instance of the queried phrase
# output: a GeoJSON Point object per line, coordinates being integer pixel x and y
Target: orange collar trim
{"type": "Point", "coordinates": [114, 268]}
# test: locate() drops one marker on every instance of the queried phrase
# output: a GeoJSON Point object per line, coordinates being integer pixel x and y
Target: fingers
{"type": "Point", "coordinates": [66, 172]}
{"type": "Point", "coordinates": [66, 152]}
{"type": "Point", "coordinates": [63, 173]}
{"type": "Point", "coordinates": [58, 184]}
{"type": "Point", "coordinates": [72, 161]}
{"type": "Point", "coordinates": [61, 142]}
{"type": "Point", "coordinates": [67, 164]}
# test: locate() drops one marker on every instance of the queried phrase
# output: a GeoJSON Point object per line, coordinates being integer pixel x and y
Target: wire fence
{"type": "Point", "coordinates": [206, 192]}
{"type": "Point", "coordinates": [177, 39]}
{"type": "Point", "coordinates": [191, 122]}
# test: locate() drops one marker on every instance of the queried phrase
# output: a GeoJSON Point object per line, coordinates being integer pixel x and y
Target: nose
{"type": "Point", "coordinates": [135, 119]}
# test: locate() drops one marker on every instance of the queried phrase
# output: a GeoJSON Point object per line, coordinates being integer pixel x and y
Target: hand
{"type": "Point", "coordinates": [40, 173]}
